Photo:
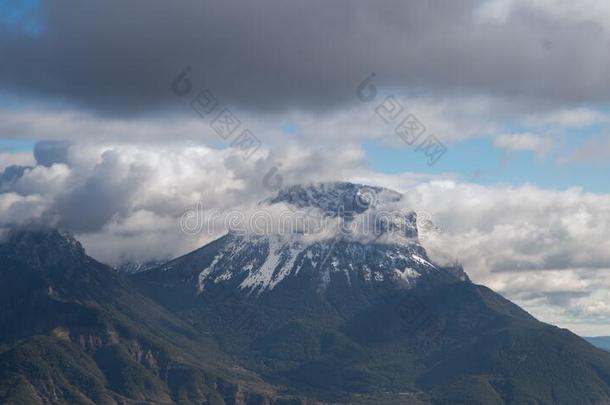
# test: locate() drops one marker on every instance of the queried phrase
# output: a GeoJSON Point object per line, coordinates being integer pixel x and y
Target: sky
{"type": "Point", "coordinates": [490, 115]}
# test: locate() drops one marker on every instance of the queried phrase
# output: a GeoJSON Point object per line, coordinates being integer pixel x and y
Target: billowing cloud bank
{"type": "Point", "coordinates": [547, 249]}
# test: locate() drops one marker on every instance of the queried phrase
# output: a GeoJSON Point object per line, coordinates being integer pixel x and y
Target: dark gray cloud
{"type": "Point", "coordinates": [9, 176]}
{"type": "Point", "coordinates": [47, 153]}
{"type": "Point", "coordinates": [119, 57]}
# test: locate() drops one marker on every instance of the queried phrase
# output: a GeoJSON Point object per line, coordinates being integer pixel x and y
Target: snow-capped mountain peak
{"type": "Point", "coordinates": [373, 244]}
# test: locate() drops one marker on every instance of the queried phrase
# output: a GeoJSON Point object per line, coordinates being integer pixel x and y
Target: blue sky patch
{"type": "Point", "coordinates": [479, 161]}
{"type": "Point", "coordinates": [21, 16]}
{"type": "Point", "coordinates": [16, 145]}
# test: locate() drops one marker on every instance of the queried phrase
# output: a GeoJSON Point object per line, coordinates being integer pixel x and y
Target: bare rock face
{"type": "Point", "coordinates": [43, 249]}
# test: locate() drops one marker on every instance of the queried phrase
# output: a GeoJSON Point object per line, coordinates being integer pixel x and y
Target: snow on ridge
{"type": "Point", "coordinates": [422, 261]}
{"type": "Point", "coordinates": [265, 262]}
{"type": "Point", "coordinates": [263, 277]}
{"type": "Point", "coordinates": [201, 279]}
{"type": "Point", "coordinates": [293, 252]}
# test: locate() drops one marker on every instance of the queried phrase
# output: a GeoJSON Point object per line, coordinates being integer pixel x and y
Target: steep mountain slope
{"type": "Point", "coordinates": [365, 314]}
{"type": "Point", "coordinates": [73, 331]}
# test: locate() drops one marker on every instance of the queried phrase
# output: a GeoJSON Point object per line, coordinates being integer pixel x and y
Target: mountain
{"type": "Point", "coordinates": [603, 342]}
{"type": "Point", "coordinates": [359, 313]}
{"type": "Point", "coordinates": [74, 331]}
{"type": "Point", "coordinates": [346, 306]}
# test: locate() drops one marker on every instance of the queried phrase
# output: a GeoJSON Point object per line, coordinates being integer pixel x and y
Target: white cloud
{"type": "Point", "coordinates": [584, 11]}
{"type": "Point", "coordinates": [16, 209]}
{"type": "Point", "coordinates": [43, 180]}
{"type": "Point", "coordinates": [567, 118]}
{"type": "Point", "coordinates": [595, 150]}
{"type": "Point", "coordinates": [451, 119]}
{"type": "Point", "coordinates": [114, 197]}
{"type": "Point", "coordinates": [16, 158]}
{"type": "Point", "coordinates": [547, 250]}
{"type": "Point", "coordinates": [524, 142]}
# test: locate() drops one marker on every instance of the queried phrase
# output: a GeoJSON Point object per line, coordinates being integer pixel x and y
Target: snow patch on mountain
{"type": "Point", "coordinates": [422, 261]}
{"type": "Point", "coordinates": [279, 258]}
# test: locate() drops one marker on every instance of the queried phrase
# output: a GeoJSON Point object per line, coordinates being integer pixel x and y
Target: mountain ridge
{"type": "Point", "coordinates": [243, 320]}
{"type": "Point", "coordinates": [73, 330]}
{"type": "Point", "coordinates": [434, 335]}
